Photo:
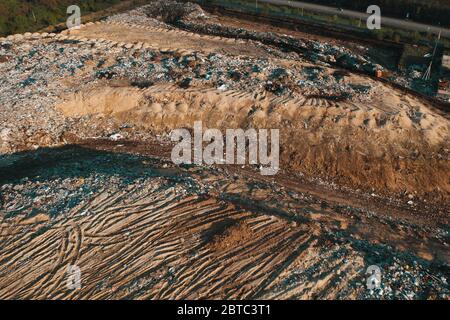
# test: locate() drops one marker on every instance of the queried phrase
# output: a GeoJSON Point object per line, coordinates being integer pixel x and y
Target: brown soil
{"type": "Point", "coordinates": [361, 145]}
{"type": "Point", "coordinates": [338, 205]}
{"type": "Point", "coordinates": [170, 39]}
{"type": "Point", "coordinates": [238, 241]}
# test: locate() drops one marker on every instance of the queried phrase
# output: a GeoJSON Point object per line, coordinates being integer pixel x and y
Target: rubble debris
{"type": "Point", "coordinates": [314, 95]}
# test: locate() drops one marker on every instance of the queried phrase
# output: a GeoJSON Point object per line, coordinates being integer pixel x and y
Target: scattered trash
{"type": "Point", "coordinates": [116, 137]}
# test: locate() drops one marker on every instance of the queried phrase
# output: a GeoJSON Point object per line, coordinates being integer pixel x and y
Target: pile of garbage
{"type": "Point", "coordinates": [36, 65]}
{"type": "Point", "coordinates": [38, 72]}
{"type": "Point", "coordinates": [36, 75]}
{"type": "Point", "coordinates": [170, 11]}
{"type": "Point", "coordinates": [404, 277]}
{"type": "Point", "coordinates": [308, 49]}
{"type": "Point", "coordinates": [191, 17]}
{"type": "Point", "coordinates": [138, 17]}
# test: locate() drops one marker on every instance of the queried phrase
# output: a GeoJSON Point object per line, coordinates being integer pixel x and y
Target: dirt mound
{"type": "Point", "coordinates": [353, 144]}
{"type": "Point", "coordinates": [172, 11]}
{"type": "Point", "coordinates": [234, 236]}
{"type": "Point", "coordinates": [105, 101]}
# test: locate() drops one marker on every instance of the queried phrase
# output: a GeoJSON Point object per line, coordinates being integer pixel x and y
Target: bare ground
{"type": "Point", "coordinates": [364, 180]}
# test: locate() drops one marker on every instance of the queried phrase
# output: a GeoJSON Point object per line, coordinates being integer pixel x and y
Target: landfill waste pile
{"type": "Point", "coordinates": [37, 70]}
{"type": "Point", "coordinates": [191, 17]}
{"type": "Point", "coordinates": [86, 176]}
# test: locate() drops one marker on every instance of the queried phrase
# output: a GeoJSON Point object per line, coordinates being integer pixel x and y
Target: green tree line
{"type": "Point", "coordinates": [19, 16]}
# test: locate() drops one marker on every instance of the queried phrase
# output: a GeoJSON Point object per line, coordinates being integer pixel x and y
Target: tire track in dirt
{"type": "Point", "coordinates": [161, 240]}
{"type": "Point", "coordinates": [143, 239]}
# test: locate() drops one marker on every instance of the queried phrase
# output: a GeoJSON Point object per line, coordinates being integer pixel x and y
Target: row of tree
{"type": "Point", "coordinates": [18, 16]}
